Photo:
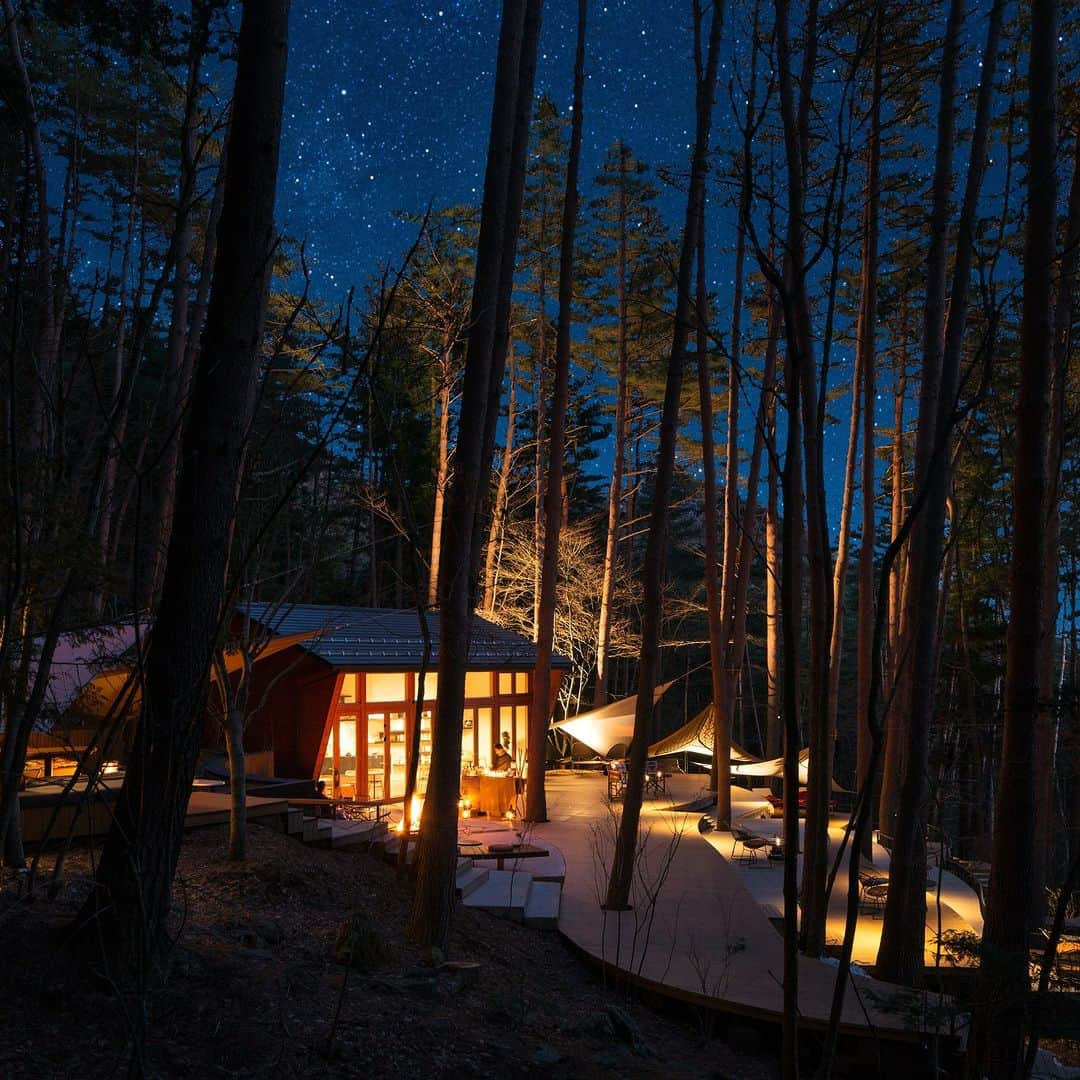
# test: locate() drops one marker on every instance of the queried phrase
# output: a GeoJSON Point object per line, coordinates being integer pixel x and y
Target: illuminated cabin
{"type": "Point", "coordinates": [340, 706]}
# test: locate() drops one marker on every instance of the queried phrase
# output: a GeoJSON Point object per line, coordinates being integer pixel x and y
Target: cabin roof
{"type": "Point", "coordinates": [390, 639]}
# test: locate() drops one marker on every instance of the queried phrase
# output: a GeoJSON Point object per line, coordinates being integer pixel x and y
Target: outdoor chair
{"type": "Point", "coordinates": [655, 781]}
{"type": "Point", "coordinates": [616, 781]}
{"type": "Point", "coordinates": [749, 845]}
{"type": "Point", "coordinates": [873, 892]}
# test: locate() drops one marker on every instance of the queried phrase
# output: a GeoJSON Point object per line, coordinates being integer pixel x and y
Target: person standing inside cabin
{"type": "Point", "coordinates": [500, 759]}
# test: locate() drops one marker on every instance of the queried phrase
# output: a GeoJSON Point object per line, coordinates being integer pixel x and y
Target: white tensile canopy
{"type": "Point", "coordinates": [609, 726]}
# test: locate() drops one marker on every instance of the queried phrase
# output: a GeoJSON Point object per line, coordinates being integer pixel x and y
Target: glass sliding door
{"type": "Point", "coordinates": [376, 756]}
{"type": "Point", "coordinates": [396, 755]}
{"type": "Point", "coordinates": [346, 757]}
{"type": "Point", "coordinates": [339, 764]}
{"type": "Point", "coordinates": [423, 768]}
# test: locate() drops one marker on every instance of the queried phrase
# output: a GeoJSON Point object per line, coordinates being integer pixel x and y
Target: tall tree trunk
{"type": "Point", "coordinates": [774, 724]}
{"type": "Point", "coordinates": [177, 364]}
{"type": "Point", "coordinates": [441, 474]}
{"type": "Point", "coordinates": [540, 393]}
{"type": "Point", "coordinates": [721, 763]}
{"type": "Point", "coordinates": [1004, 973]}
{"type": "Point", "coordinates": [1047, 732]}
{"type": "Point", "coordinates": [725, 667]}
{"type": "Point", "coordinates": [502, 494]}
{"type": "Point", "coordinates": [843, 546]}
{"type": "Point", "coordinates": [866, 344]}
{"type": "Point", "coordinates": [535, 795]}
{"type": "Point", "coordinates": [800, 339]}
{"type": "Point", "coordinates": [139, 857]}
{"type": "Point", "coordinates": [615, 489]}
{"type": "Point", "coordinates": [622, 868]}
{"type": "Point", "coordinates": [894, 720]}
{"type": "Point", "coordinates": [115, 414]}
{"type": "Point", "coordinates": [901, 953]}
{"type": "Point", "coordinates": [430, 916]}
{"type": "Point", "coordinates": [48, 337]}
{"type": "Point", "coordinates": [791, 623]}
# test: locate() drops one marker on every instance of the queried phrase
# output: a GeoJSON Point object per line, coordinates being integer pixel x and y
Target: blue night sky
{"type": "Point", "coordinates": [388, 107]}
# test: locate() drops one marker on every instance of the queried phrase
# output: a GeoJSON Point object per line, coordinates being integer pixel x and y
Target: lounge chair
{"type": "Point", "coordinates": [748, 845]}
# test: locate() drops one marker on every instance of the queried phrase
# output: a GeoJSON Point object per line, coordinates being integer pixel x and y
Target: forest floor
{"type": "Point", "coordinates": [257, 978]}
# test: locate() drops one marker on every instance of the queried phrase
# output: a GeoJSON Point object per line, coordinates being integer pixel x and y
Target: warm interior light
{"type": "Point", "coordinates": [509, 815]}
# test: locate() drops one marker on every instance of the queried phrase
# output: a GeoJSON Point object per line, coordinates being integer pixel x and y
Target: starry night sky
{"type": "Point", "coordinates": [388, 105]}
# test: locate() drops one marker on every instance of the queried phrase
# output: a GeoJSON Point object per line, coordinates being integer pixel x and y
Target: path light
{"type": "Point", "coordinates": [509, 815]}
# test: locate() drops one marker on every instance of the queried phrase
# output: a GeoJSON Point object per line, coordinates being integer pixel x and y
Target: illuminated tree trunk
{"type": "Point", "coordinates": [535, 795]}
{"type": "Point", "coordinates": [890, 770]}
{"type": "Point", "coordinates": [721, 763]}
{"type": "Point", "coordinates": [774, 728]}
{"type": "Point", "coordinates": [622, 868]}
{"type": "Point", "coordinates": [498, 515]}
{"type": "Point", "coordinates": [615, 492]}
{"type": "Point", "coordinates": [504, 181]}
{"type": "Point", "coordinates": [843, 546]}
{"type": "Point", "coordinates": [441, 475]}
{"type": "Point", "coordinates": [800, 359]}
{"type": "Point", "coordinates": [866, 345]}
{"type": "Point", "coordinates": [724, 660]}
{"type": "Point", "coordinates": [901, 953]}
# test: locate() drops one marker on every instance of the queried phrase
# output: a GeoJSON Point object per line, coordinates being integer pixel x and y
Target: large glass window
{"type": "Point", "coordinates": [485, 738]}
{"type": "Point", "coordinates": [326, 773]}
{"type": "Point", "coordinates": [478, 684]}
{"type": "Point", "coordinates": [423, 768]}
{"type": "Point", "coordinates": [385, 686]}
{"type": "Point", "coordinates": [521, 731]}
{"type": "Point", "coordinates": [339, 764]}
{"type": "Point", "coordinates": [347, 696]}
{"type": "Point", "coordinates": [431, 685]}
{"type": "Point", "coordinates": [347, 756]}
{"type": "Point", "coordinates": [468, 739]}
{"type": "Point", "coordinates": [376, 755]}
{"type": "Point", "coordinates": [397, 754]}
{"type": "Point", "coordinates": [506, 683]}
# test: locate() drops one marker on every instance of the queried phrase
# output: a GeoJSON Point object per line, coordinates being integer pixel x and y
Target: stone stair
{"type": "Point", "coordinates": [332, 832]}
{"type": "Point", "coordinates": [511, 894]}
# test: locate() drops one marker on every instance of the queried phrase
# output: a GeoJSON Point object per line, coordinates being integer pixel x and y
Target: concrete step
{"type": "Point", "coordinates": [469, 880]}
{"type": "Point", "coordinates": [391, 845]}
{"type": "Point", "coordinates": [316, 830]}
{"type": "Point", "coordinates": [504, 893]}
{"type": "Point", "coordinates": [464, 863]}
{"type": "Point", "coordinates": [294, 821]}
{"type": "Point", "coordinates": [542, 905]}
{"type": "Point", "coordinates": [354, 833]}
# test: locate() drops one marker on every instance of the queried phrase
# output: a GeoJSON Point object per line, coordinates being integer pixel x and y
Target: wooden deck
{"type": "Point", "coordinates": [212, 808]}
{"type": "Point", "coordinates": [89, 817]}
{"type": "Point", "coordinates": [706, 939]}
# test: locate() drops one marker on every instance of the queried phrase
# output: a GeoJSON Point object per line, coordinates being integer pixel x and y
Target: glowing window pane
{"type": "Point", "coordinates": [385, 686]}
{"type": "Point", "coordinates": [348, 690]}
{"type": "Point", "coordinates": [478, 684]}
